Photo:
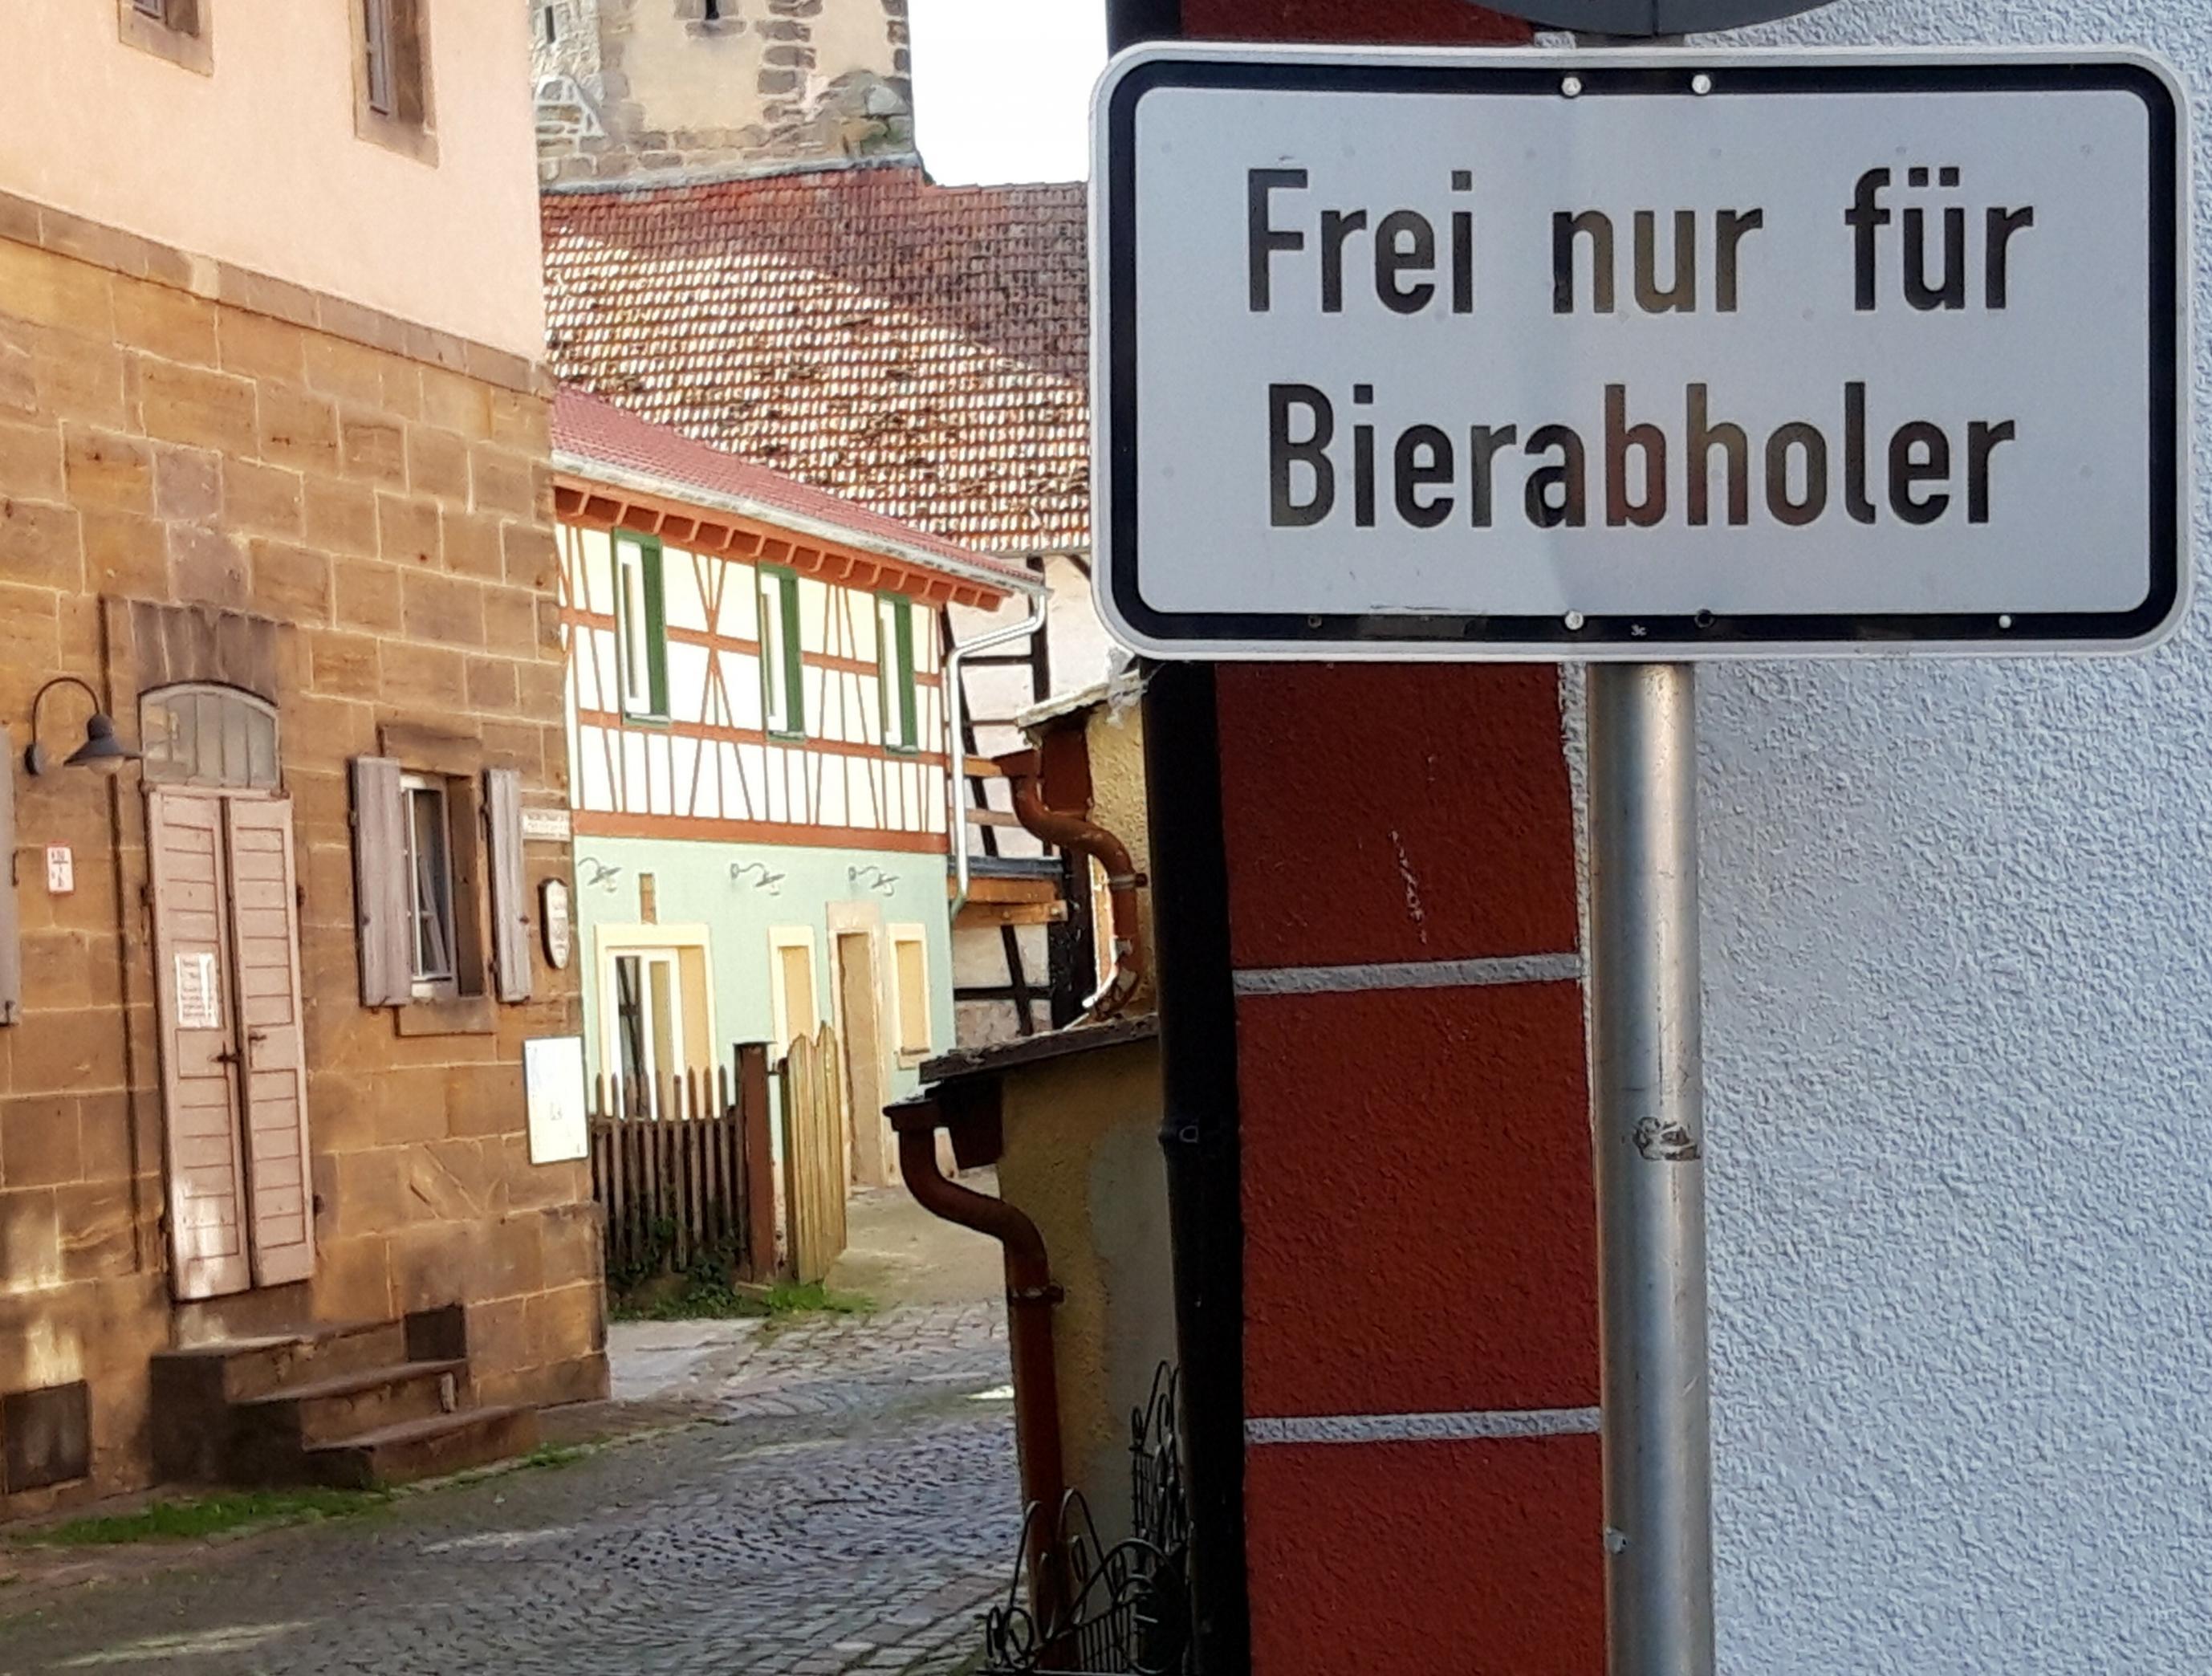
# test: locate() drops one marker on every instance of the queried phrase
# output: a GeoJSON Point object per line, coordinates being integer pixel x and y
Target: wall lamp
{"type": "Point", "coordinates": [873, 879]}
{"type": "Point", "coordinates": [758, 872]}
{"type": "Point", "coordinates": [101, 750]}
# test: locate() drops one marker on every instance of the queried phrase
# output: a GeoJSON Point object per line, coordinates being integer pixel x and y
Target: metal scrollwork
{"type": "Point", "coordinates": [1128, 1610]}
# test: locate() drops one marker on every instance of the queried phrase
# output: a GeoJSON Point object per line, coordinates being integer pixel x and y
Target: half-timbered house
{"type": "Point", "coordinates": [759, 760]}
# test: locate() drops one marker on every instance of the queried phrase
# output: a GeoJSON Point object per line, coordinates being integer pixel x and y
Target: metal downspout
{"type": "Point", "coordinates": [1031, 1295]}
{"type": "Point", "coordinates": [1122, 879]}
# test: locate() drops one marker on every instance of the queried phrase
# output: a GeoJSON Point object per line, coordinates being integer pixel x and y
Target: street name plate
{"type": "Point", "coordinates": [1649, 355]}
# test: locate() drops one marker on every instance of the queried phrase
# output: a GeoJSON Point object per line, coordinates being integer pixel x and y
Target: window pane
{"type": "Point", "coordinates": [912, 996]}
{"type": "Point", "coordinates": [773, 686]}
{"type": "Point", "coordinates": [260, 748]}
{"type": "Point", "coordinates": [376, 14]}
{"type": "Point", "coordinates": [629, 1018]}
{"type": "Point", "coordinates": [667, 1026]}
{"type": "Point", "coordinates": [432, 883]}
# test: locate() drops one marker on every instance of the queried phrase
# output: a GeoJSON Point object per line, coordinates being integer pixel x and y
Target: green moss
{"type": "Point", "coordinates": [209, 1516]}
{"type": "Point", "coordinates": [701, 1300]}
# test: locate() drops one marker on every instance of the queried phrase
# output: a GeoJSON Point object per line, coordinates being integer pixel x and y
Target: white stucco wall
{"type": "Point", "coordinates": [1959, 964]}
{"type": "Point", "coordinates": [258, 164]}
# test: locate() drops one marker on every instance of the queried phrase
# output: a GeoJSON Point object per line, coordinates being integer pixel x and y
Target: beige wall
{"type": "Point", "coordinates": [1083, 1161]}
{"type": "Point", "coordinates": [258, 164]}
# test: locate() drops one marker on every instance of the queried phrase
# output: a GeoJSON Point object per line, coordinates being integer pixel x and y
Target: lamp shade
{"type": "Point", "coordinates": [101, 750]}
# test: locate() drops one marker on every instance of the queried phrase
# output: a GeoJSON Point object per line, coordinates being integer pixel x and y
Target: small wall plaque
{"type": "Point", "coordinates": [554, 923]}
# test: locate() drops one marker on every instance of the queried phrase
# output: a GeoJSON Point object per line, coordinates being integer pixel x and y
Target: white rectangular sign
{"type": "Point", "coordinates": [554, 1098]}
{"type": "Point", "coordinates": [1638, 355]}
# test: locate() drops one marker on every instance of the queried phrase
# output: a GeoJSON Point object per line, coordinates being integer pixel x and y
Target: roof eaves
{"type": "Point", "coordinates": [1004, 580]}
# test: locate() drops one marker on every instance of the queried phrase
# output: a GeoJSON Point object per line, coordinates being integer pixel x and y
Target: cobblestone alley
{"type": "Point", "coordinates": [833, 1494]}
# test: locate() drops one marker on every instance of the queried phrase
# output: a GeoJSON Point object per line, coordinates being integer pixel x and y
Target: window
{"type": "Point", "coordinates": [199, 734]}
{"type": "Point", "coordinates": [641, 628]}
{"type": "Point", "coordinates": [910, 979]}
{"type": "Point", "coordinates": [431, 929]}
{"type": "Point", "coordinates": [895, 670]}
{"type": "Point", "coordinates": [441, 888]}
{"type": "Point", "coordinates": [792, 1008]}
{"type": "Point", "coordinates": [783, 691]}
{"type": "Point", "coordinates": [173, 29]}
{"type": "Point", "coordinates": [550, 18]}
{"type": "Point", "coordinates": [392, 78]}
{"type": "Point", "coordinates": [656, 1015]}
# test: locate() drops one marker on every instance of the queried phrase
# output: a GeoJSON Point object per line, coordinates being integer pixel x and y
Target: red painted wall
{"type": "Point", "coordinates": [1419, 1232]}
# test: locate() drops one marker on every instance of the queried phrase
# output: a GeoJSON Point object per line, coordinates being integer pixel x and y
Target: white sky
{"type": "Point", "coordinates": [1002, 88]}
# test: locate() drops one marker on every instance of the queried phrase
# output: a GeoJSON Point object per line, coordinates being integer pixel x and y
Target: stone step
{"type": "Point", "coordinates": [429, 1449]}
{"type": "Point", "coordinates": [243, 1368]}
{"type": "Point", "coordinates": [346, 1405]}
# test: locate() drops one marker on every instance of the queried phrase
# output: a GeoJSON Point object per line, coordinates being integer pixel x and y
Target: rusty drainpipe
{"type": "Point", "coordinates": [1123, 881]}
{"type": "Point", "coordinates": [1031, 1295]}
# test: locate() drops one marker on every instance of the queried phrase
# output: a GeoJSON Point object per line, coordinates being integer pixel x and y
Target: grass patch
{"type": "Point", "coordinates": [206, 1516]}
{"type": "Point", "coordinates": [552, 1455]}
{"type": "Point", "coordinates": [698, 1300]}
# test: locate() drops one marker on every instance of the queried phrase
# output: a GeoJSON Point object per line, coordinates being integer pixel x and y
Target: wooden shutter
{"type": "Point", "coordinates": [379, 883]}
{"type": "Point", "coordinates": [193, 1005]}
{"type": "Point", "coordinates": [265, 928]}
{"type": "Point", "coordinates": [510, 900]}
{"type": "Point", "coordinates": [11, 943]}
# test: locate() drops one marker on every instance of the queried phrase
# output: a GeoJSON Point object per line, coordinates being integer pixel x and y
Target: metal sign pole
{"type": "Point", "coordinates": [1648, 1088]}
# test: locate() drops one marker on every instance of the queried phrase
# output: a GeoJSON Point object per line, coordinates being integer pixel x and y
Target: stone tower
{"type": "Point", "coordinates": [638, 90]}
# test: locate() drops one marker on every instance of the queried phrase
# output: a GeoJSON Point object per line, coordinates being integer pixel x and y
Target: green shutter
{"type": "Point", "coordinates": [898, 672]}
{"type": "Point", "coordinates": [794, 660]}
{"type": "Point", "coordinates": [656, 630]}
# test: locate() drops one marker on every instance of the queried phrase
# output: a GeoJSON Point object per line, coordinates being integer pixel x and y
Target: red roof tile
{"type": "Point", "coordinates": [921, 349]}
{"type": "Point", "coordinates": [592, 430]}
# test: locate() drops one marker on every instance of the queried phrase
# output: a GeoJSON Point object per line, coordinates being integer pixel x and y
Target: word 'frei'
{"type": "Point", "coordinates": [1922, 249]}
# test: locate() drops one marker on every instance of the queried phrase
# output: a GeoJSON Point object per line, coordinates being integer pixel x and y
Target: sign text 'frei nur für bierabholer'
{"type": "Point", "coordinates": [1637, 354]}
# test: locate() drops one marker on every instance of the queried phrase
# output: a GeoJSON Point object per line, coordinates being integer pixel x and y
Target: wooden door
{"type": "Point", "coordinates": [874, 1164]}
{"type": "Point", "coordinates": [208, 1241]}
{"type": "Point", "coordinates": [233, 1062]}
{"type": "Point", "coordinates": [265, 928]}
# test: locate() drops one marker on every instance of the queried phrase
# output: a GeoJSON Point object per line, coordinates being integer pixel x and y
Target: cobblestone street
{"type": "Point", "coordinates": [830, 1495]}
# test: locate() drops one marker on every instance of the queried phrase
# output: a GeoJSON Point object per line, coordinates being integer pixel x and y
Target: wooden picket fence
{"type": "Point", "coordinates": [816, 1174]}
{"type": "Point", "coordinates": [682, 1170]}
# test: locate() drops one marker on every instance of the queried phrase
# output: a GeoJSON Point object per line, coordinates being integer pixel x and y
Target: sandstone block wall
{"type": "Point", "coordinates": [632, 89]}
{"type": "Point", "coordinates": [194, 457]}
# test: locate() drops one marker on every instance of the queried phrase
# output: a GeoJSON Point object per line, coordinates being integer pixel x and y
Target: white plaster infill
{"type": "Point", "coordinates": [1412, 974]}
{"type": "Point", "coordinates": [1474, 1426]}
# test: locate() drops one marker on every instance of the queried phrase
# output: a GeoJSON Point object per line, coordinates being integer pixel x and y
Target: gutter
{"type": "Point", "coordinates": [590, 470]}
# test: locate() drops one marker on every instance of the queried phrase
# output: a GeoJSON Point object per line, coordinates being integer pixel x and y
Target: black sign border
{"type": "Point", "coordinates": [1549, 638]}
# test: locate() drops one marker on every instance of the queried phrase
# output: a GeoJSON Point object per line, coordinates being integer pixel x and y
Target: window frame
{"type": "Point", "coordinates": [629, 551]}
{"type": "Point", "coordinates": [780, 583]}
{"type": "Point", "coordinates": [895, 663]}
{"type": "Point", "coordinates": [393, 104]}
{"type": "Point", "coordinates": [780, 938]}
{"type": "Point", "coordinates": [177, 30]}
{"type": "Point", "coordinates": [915, 936]}
{"type": "Point", "coordinates": [431, 985]}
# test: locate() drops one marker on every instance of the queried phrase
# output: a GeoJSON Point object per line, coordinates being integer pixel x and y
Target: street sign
{"type": "Point", "coordinates": [1643, 355]}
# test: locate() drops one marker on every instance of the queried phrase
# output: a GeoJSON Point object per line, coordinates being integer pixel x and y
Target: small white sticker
{"type": "Point", "coordinates": [198, 1007]}
{"type": "Point", "coordinates": [61, 871]}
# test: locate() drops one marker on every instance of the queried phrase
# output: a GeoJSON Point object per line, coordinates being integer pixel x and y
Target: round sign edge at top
{"type": "Point", "coordinates": [1642, 19]}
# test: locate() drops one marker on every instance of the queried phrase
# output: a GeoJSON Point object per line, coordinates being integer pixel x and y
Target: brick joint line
{"type": "Point", "coordinates": [1412, 974]}
{"type": "Point", "coordinates": [1453, 1428]}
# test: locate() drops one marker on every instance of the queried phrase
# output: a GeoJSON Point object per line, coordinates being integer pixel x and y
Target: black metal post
{"type": "Point", "coordinates": [1198, 1133]}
